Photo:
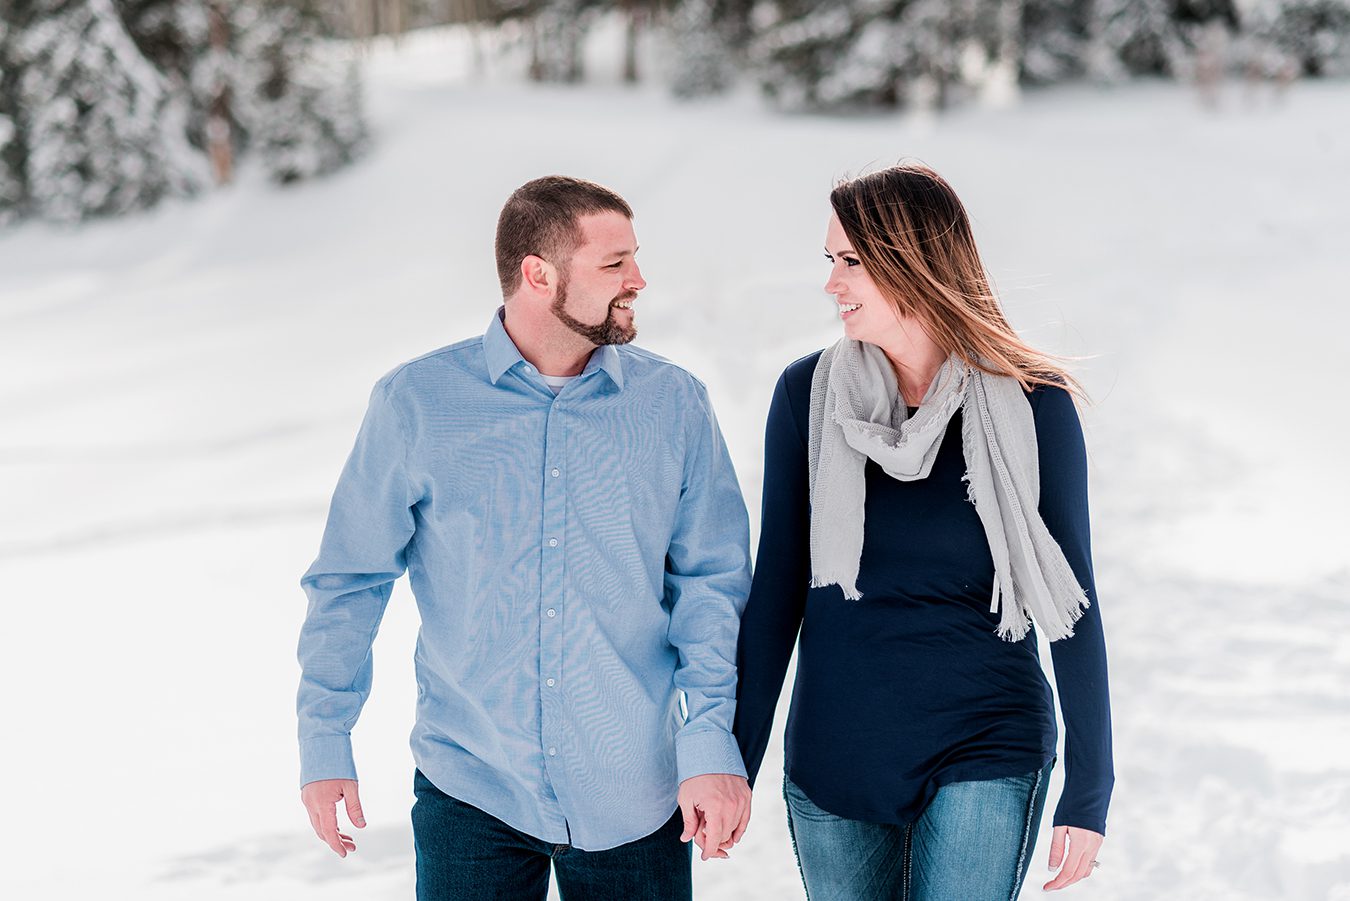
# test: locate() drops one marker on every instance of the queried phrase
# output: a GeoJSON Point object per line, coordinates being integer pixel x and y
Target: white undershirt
{"type": "Point", "coordinates": [556, 382]}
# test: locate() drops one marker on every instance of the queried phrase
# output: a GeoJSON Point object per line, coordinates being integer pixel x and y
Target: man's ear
{"type": "Point", "coordinates": [538, 274]}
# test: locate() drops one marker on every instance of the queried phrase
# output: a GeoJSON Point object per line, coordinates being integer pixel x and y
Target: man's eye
{"type": "Point", "coordinates": [615, 265]}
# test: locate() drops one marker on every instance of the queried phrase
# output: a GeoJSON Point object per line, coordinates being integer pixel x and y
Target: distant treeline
{"type": "Point", "coordinates": [111, 105]}
{"type": "Point", "coordinates": [823, 54]}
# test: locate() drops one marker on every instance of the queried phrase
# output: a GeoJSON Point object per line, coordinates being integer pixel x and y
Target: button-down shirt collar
{"type": "Point", "coordinates": [501, 353]}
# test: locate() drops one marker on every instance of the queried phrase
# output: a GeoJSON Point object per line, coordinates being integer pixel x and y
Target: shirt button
{"type": "Point", "coordinates": [551, 613]}
{"type": "Point", "coordinates": [549, 683]}
{"type": "Point", "coordinates": [552, 752]}
{"type": "Point", "coordinates": [556, 473]}
{"type": "Point", "coordinates": [553, 542]}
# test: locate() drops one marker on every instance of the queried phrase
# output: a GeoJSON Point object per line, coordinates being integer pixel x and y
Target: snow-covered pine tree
{"type": "Point", "coordinates": [111, 105]}
{"type": "Point", "coordinates": [708, 43]}
{"type": "Point", "coordinates": [702, 63]}
{"type": "Point", "coordinates": [297, 98]}
{"type": "Point", "coordinates": [104, 134]}
{"type": "Point", "coordinates": [824, 54]}
{"type": "Point", "coordinates": [931, 35]}
{"type": "Point", "coordinates": [1054, 40]}
{"type": "Point", "coordinates": [1152, 37]}
{"type": "Point", "coordinates": [559, 30]}
{"type": "Point", "coordinates": [1313, 35]}
{"type": "Point", "coordinates": [1149, 37]}
{"type": "Point", "coordinates": [992, 62]}
{"type": "Point", "coordinates": [735, 19]}
{"type": "Point", "coordinates": [955, 50]}
{"type": "Point", "coordinates": [156, 27]}
{"type": "Point", "coordinates": [172, 34]}
{"type": "Point", "coordinates": [860, 53]}
{"type": "Point", "coordinates": [191, 41]}
{"type": "Point", "coordinates": [1131, 37]}
{"type": "Point", "coordinates": [11, 141]}
{"type": "Point", "coordinates": [263, 77]}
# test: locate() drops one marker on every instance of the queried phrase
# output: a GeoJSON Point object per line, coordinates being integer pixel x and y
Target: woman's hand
{"type": "Point", "coordinates": [1080, 860]}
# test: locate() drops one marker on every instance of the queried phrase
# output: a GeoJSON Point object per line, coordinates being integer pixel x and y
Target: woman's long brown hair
{"type": "Point", "coordinates": [913, 236]}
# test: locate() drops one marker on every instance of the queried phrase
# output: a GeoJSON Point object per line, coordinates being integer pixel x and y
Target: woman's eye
{"type": "Point", "coordinates": [830, 258]}
{"type": "Point", "coordinates": [851, 262]}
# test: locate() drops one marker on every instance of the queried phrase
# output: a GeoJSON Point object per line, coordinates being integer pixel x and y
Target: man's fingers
{"type": "Point", "coordinates": [320, 799]}
{"type": "Point", "coordinates": [712, 850]}
{"type": "Point", "coordinates": [354, 806]}
{"type": "Point", "coordinates": [722, 803]}
{"type": "Point", "coordinates": [716, 828]}
{"type": "Point", "coordinates": [328, 830]}
{"type": "Point", "coordinates": [690, 819]}
{"type": "Point", "coordinates": [742, 823]}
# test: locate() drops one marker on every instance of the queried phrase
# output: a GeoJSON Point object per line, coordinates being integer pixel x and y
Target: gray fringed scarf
{"type": "Point", "coordinates": [867, 418]}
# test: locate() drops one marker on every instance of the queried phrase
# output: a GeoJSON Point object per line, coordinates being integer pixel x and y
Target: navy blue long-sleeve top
{"type": "Point", "coordinates": [910, 688]}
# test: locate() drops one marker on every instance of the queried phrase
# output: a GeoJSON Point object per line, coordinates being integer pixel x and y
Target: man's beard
{"type": "Point", "coordinates": [611, 331]}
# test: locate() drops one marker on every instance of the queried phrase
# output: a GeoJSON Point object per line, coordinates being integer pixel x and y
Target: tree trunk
{"type": "Point", "coordinates": [219, 136]}
{"type": "Point", "coordinates": [630, 71]}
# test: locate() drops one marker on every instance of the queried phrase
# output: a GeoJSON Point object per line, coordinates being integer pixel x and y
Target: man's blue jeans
{"type": "Point", "coordinates": [972, 843]}
{"type": "Point", "coordinates": [467, 855]}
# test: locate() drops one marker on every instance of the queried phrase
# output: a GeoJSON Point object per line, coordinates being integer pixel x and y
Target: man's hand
{"type": "Point", "coordinates": [716, 810]}
{"type": "Point", "coordinates": [320, 799]}
{"type": "Point", "coordinates": [1081, 859]}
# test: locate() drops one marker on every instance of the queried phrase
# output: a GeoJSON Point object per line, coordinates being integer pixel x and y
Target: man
{"type": "Point", "coordinates": [579, 551]}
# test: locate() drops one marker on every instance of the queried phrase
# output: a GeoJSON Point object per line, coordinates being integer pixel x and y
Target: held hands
{"type": "Point", "coordinates": [1080, 860]}
{"type": "Point", "coordinates": [716, 810]}
{"type": "Point", "coordinates": [320, 799]}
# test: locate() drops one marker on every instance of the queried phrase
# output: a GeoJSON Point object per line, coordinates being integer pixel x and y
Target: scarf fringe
{"type": "Point", "coordinates": [847, 587]}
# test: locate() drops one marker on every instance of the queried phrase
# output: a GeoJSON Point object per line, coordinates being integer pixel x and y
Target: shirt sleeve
{"type": "Point", "coordinates": [1079, 661]}
{"type": "Point", "coordinates": [370, 523]}
{"type": "Point", "coordinates": [706, 582]}
{"type": "Point", "coordinates": [777, 601]}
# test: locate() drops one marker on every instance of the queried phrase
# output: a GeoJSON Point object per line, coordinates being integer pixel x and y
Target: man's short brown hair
{"type": "Point", "coordinates": [540, 219]}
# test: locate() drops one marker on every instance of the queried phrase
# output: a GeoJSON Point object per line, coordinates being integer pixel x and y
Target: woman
{"type": "Point", "coordinates": [925, 504]}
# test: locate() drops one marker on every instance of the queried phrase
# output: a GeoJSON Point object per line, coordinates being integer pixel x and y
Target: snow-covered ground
{"type": "Point", "coordinates": [178, 391]}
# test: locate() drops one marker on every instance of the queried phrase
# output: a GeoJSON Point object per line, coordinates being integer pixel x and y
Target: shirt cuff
{"type": "Point", "coordinates": [1080, 820]}
{"type": "Point", "coordinates": [326, 757]}
{"type": "Point", "coordinates": [705, 753]}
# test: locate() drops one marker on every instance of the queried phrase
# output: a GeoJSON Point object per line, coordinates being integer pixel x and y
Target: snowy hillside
{"type": "Point", "coordinates": [178, 391]}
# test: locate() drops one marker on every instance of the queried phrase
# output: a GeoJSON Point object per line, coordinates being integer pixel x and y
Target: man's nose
{"type": "Point", "coordinates": [635, 281]}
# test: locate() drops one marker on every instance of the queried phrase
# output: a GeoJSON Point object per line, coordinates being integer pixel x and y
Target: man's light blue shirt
{"type": "Point", "coordinates": [578, 561]}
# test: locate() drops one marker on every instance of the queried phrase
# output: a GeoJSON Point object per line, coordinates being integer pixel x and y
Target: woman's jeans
{"type": "Point", "coordinates": [972, 843]}
{"type": "Point", "coordinates": [467, 855]}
